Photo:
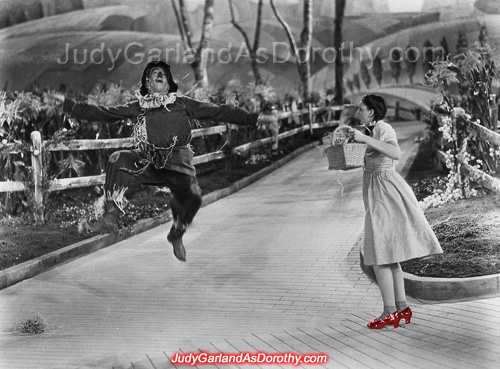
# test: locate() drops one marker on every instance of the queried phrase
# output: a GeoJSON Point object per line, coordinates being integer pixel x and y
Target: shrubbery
{"type": "Point", "coordinates": [464, 86]}
{"type": "Point", "coordinates": [24, 112]}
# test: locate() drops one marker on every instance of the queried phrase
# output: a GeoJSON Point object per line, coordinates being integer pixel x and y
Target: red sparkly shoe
{"type": "Point", "coordinates": [389, 319]}
{"type": "Point", "coordinates": [406, 314]}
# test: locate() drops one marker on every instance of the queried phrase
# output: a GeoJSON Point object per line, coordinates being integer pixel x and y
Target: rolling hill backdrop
{"type": "Point", "coordinates": [82, 44]}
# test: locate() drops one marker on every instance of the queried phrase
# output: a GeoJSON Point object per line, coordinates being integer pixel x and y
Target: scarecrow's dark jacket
{"type": "Point", "coordinates": [163, 125]}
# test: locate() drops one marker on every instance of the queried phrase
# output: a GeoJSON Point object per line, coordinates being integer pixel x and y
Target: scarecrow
{"type": "Point", "coordinates": [161, 153]}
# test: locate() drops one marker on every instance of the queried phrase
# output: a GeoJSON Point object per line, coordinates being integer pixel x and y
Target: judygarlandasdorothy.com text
{"type": "Point", "coordinates": [280, 52]}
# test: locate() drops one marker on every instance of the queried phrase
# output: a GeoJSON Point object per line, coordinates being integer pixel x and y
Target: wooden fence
{"type": "Point", "coordinates": [37, 147]}
{"type": "Point", "coordinates": [484, 179]}
{"type": "Point", "coordinates": [36, 151]}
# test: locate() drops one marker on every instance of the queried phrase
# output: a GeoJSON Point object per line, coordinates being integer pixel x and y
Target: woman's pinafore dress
{"type": "Point", "coordinates": [395, 226]}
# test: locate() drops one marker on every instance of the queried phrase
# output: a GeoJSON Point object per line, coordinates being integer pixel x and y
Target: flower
{"type": "Point", "coordinates": [457, 112]}
{"type": "Point", "coordinates": [340, 136]}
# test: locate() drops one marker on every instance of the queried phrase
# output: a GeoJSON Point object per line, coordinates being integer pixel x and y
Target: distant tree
{"type": "Point", "coordinates": [428, 56]}
{"type": "Point", "coordinates": [252, 49]}
{"type": "Point", "coordinates": [356, 82]}
{"type": "Point", "coordinates": [365, 74]}
{"type": "Point", "coordinates": [411, 58]}
{"type": "Point", "coordinates": [483, 35]}
{"type": "Point", "coordinates": [378, 70]}
{"type": "Point", "coordinates": [337, 44]}
{"type": "Point", "coordinates": [350, 85]}
{"type": "Point", "coordinates": [395, 64]}
{"type": "Point", "coordinates": [462, 42]}
{"type": "Point", "coordinates": [302, 49]}
{"type": "Point", "coordinates": [329, 96]}
{"type": "Point", "coordinates": [463, 53]}
{"type": "Point", "coordinates": [199, 63]}
{"type": "Point", "coordinates": [446, 50]}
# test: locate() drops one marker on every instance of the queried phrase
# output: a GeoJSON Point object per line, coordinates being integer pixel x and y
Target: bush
{"type": "Point", "coordinates": [33, 323]}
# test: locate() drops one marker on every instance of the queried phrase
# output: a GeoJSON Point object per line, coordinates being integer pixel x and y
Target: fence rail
{"type": "Point", "coordinates": [112, 143]}
{"type": "Point", "coordinates": [482, 178]}
{"type": "Point", "coordinates": [37, 148]}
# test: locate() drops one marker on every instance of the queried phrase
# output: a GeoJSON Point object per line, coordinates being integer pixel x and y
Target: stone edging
{"type": "Point", "coordinates": [444, 289]}
{"type": "Point", "coordinates": [441, 289]}
{"type": "Point", "coordinates": [36, 266]}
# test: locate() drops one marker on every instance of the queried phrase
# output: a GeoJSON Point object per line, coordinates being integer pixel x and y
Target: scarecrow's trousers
{"type": "Point", "coordinates": [186, 194]}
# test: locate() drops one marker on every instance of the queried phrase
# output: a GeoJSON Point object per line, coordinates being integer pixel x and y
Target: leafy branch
{"type": "Point", "coordinates": [472, 72]}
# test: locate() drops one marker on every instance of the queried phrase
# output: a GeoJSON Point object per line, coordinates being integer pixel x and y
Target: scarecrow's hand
{"type": "Point", "coordinates": [59, 98]}
{"type": "Point", "coordinates": [269, 123]}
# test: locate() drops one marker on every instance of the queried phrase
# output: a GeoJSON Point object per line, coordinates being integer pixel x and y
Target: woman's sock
{"type": "Point", "coordinates": [401, 305]}
{"type": "Point", "coordinates": [387, 310]}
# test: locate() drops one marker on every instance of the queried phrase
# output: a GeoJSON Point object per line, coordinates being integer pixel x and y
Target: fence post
{"type": "Point", "coordinates": [36, 164]}
{"type": "Point", "coordinates": [228, 152]}
{"type": "Point", "coordinates": [493, 110]}
{"type": "Point", "coordinates": [311, 118]}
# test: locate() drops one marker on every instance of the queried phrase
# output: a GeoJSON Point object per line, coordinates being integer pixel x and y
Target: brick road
{"type": "Point", "coordinates": [274, 268]}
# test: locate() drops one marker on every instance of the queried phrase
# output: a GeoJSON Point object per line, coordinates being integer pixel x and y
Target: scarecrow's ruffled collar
{"type": "Point", "coordinates": [156, 100]}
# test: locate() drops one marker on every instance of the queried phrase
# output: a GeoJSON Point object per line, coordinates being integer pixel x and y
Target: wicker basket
{"type": "Point", "coordinates": [346, 156]}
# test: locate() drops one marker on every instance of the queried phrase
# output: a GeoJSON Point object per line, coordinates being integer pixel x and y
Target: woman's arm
{"type": "Point", "coordinates": [389, 149]}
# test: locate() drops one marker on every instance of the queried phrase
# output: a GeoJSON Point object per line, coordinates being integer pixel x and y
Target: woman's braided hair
{"type": "Point", "coordinates": [377, 104]}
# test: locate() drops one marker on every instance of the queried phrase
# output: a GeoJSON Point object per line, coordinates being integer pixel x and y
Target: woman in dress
{"type": "Point", "coordinates": [395, 226]}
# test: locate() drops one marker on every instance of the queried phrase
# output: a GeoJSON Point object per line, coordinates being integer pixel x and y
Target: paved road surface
{"type": "Point", "coordinates": [274, 267]}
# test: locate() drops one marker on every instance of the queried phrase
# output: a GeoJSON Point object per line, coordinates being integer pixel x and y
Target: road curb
{"type": "Point", "coordinates": [31, 268]}
{"type": "Point", "coordinates": [444, 289]}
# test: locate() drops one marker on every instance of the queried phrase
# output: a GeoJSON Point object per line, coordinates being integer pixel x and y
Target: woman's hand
{"type": "Point", "coordinates": [358, 136]}
{"type": "Point", "coordinates": [388, 149]}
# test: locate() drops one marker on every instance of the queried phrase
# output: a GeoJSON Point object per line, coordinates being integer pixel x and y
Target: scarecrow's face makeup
{"type": "Point", "coordinates": [157, 81]}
